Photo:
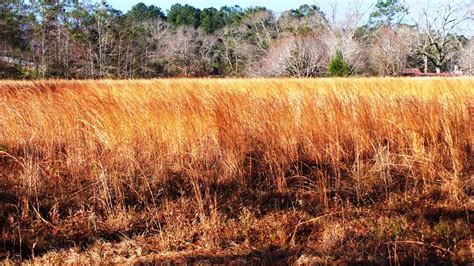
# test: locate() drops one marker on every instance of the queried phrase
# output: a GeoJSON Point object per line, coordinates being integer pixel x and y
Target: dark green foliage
{"type": "Point", "coordinates": [158, 68]}
{"type": "Point", "coordinates": [338, 67]}
{"type": "Point", "coordinates": [232, 14]}
{"type": "Point", "coordinates": [184, 15]}
{"type": "Point", "coordinates": [8, 71]}
{"type": "Point", "coordinates": [388, 13]}
{"type": "Point", "coordinates": [307, 11]}
{"type": "Point", "coordinates": [11, 25]}
{"type": "Point", "coordinates": [252, 10]}
{"type": "Point", "coordinates": [142, 12]}
{"type": "Point", "coordinates": [211, 20]}
{"type": "Point", "coordinates": [305, 20]}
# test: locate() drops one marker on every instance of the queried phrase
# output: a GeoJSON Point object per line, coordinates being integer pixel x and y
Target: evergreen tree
{"type": "Point", "coordinates": [184, 15]}
{"type": "Point", "coordinates": [142, 12]}
{"type": "Point", "coordinates": [211, 20]}
{"type": "Point", "coordinates": [232, 15]}
{"type": "Point", "coordinates": [388, 13]}
{"type": "Point", "coordinates": [338, 67]}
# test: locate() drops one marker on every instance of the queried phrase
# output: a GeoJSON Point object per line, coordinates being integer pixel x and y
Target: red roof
{"type": "Point", "coordinates": [415, 72]}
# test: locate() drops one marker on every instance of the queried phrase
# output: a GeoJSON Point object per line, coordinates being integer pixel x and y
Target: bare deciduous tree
{"type": "Point", "coordinates": [158, 33]}
{"type": "Point", "coordinates": [237, 51]}
{"type": "Point", "coordinates": [340, 36]}
{"type": "Point", "coordinates": [189, 52]}
{"type": "Point", "coordinates": [340, 39]}
{"type": "Point", "coordinates": [181, 50]}
{"type": "Point", "coordinates": [262, 29]}
{"type": "Point", "coordinates": [208, 52]}
{"type": "Point", "coordinates": [467, 57]}
{"type": "Point", "coordinates": [294, 56]}
{"type": "Point", "coordinates": [438, 33]}
{"type": "Point", "coordinates": [389, 52]}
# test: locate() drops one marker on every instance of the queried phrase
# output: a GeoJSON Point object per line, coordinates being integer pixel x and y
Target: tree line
{"type": "Point", "coordinates": [77, 39]}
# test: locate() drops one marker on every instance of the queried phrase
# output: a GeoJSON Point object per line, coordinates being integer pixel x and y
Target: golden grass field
{"type": "Point", "coordinates": [237, 170]}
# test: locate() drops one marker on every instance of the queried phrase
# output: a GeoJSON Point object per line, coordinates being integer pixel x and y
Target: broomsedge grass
{"type": "Point", "coordinates": [204, 164]}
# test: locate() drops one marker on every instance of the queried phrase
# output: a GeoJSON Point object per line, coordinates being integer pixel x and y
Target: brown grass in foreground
{"type": "Point", "coordinates": [248, 171]}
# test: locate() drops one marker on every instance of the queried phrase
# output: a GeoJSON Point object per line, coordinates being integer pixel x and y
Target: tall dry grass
{"type": "Point", "coordinates": [229, 150]}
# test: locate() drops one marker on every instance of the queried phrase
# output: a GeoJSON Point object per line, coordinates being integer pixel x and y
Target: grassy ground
{"type": "Point", "coordinates": [244, 171]}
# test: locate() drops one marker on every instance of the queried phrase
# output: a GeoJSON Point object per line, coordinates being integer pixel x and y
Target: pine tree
{"type": "Point", "coordinates": [338, 67]}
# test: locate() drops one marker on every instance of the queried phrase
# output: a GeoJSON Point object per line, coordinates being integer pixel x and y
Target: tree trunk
{"type": "Point", "coordinates": [425, 63]}
{"type": "Point", "coordinates": [470, 60]}
{"type": "Point", "coordinates": [43, 51]}
{"type": "Point", "coordinates": [439, 63]}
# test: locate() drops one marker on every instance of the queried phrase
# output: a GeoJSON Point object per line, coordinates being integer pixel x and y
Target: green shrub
{"type": "Point", "coordinates": [338, 67]}
{"type": "Point", "coordinates": [450, 233]}
{"type": "Point", "coordinates": [3, 148]}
